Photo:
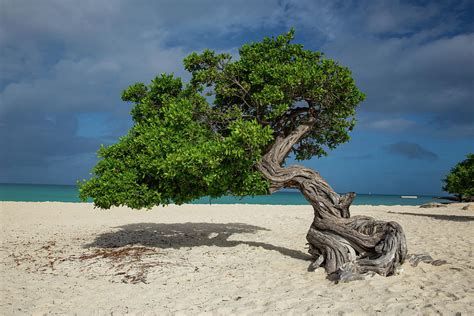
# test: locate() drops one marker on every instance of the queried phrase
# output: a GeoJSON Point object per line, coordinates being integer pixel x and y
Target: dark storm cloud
{"type": "Point", "coordinates": [36, 142]}
{"type": "Point", "coordinates": [38, 136]}
{"type": "Point", "coordinates": [403, 76]}
{"type": "Point", "coordinates": [407, 57]}
{"type": "Point", "coordinates": [410, 58]}
{"type": "Point", "coordinates": [411, 150]}
{"type": "Point", "coordinates": [64, 59]}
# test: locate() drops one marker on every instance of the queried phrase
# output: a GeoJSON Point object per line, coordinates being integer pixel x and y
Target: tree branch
{"type": "Point", "coordinates": [283, 145]}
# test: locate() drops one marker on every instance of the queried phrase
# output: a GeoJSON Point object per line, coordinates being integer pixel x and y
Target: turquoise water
{"type": "Point", "coordinates": [68, 193]}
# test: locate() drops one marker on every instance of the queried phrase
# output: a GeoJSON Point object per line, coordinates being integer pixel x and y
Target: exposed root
{"type": "Point", "coordinates": [316, 264]}
{"type": "Point", "coordinates": [349, 272]}
{"type": "Point", "coordinates": [415, 259]}
{"type": "Point", "coordinates": [355, 248]}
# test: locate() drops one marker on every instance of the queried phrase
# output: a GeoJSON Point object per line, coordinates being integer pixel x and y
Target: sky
{"type": "Point", "coordinates": [64, 65]}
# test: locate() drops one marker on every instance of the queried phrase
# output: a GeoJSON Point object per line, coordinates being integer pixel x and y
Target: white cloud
{"type": "Point", "coordinates": [396, 17]}
{"type": "Point", "coordinates": [69, 56]}
{"type": "Point", "coordinates": [390, 125]}
{"type": "Point", "coordinates": [403, 76]}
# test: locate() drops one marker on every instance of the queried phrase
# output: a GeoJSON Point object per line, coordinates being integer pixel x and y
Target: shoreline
{"type": "Point", "coordinates": [244, 204]}
{"type": "Point", "coordinates": [64, 257]}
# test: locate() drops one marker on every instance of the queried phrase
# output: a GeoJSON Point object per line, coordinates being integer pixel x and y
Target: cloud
{"type": "Point", "coordinates": [406, 76]}
{"type": "Point", "coordinates": [411, 151]}
{"type": "Point", "coordinates": [63, 60]}
{"type": "Point", "coordinates": [37, 144]}
{"type": "Point", "coordinates": [88, 53]}
{"type": "Point", "coordinates": [69, 57]}
{"type": "Point", "coordinates": [396, 17]}
{"type": "Point", "coordinates": [388, 125]}
{"type": "Point", "coordinates": [408, 58]}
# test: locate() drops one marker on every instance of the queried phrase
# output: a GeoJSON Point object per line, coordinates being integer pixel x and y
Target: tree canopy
{"type": "Point", "coordinates": [205, 137]}
{"type": "Point", "coordinates": [460, 181]}
{"type": "Point", "coordinates": [229, 131]}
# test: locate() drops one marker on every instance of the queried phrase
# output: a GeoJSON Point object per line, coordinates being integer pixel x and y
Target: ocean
{"type": "Point", "coordinates": [69, 193]}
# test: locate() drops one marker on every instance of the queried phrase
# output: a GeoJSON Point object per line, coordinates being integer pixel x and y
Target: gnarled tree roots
{"type": "Point", "coordinates": [349, 249]}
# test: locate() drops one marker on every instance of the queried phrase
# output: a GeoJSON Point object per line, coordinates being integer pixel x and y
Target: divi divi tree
{"type": "Point", "coordinates": [229, 131]}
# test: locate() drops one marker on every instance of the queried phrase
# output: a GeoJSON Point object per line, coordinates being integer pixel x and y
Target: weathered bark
{"type": "Point", "coordinates": [347, 247]}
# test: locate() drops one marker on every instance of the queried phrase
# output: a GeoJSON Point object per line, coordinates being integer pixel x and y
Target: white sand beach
{"type": "Point", "coordinates": [66, 258]}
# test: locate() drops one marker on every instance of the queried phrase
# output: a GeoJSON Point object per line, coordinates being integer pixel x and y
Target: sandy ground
{"type": "Point", "coordinates": [66, 258]}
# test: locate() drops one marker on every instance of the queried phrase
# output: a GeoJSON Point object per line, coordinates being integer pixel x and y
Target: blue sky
{"type": "Point", "coordinates": [65, 63]}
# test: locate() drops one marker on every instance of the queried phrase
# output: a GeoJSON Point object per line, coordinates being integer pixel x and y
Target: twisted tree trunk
{"type": "Point", "coordinates": [348, 247]}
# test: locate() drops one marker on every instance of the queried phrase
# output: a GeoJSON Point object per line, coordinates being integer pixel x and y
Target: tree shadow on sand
{"type": "Point", "coordinates": [454, 218]}
{"type": "Point", "coordinates": [178, 235]}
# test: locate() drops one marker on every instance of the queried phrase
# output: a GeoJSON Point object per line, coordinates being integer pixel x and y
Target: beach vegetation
{"type": "Point", "coordinates": [460, 180]}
